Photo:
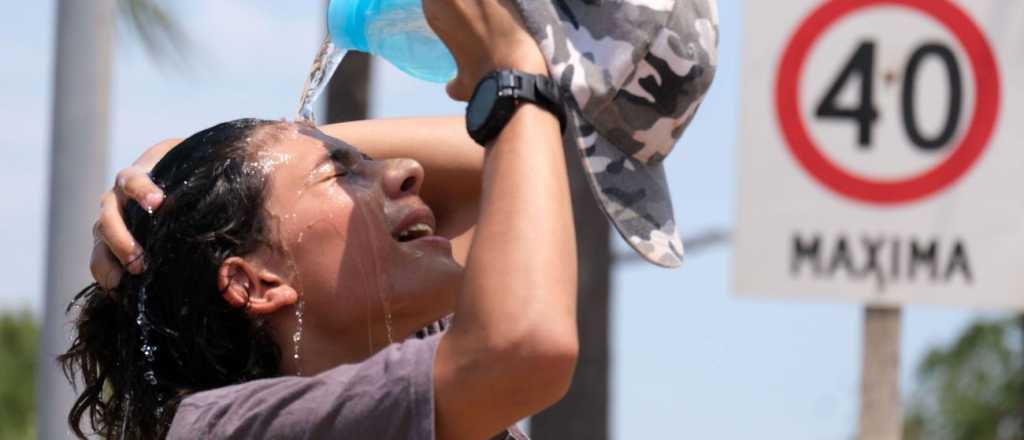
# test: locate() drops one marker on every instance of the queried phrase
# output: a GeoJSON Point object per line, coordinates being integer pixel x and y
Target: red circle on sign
{"type": "Point", "coordinates": [879, 191]}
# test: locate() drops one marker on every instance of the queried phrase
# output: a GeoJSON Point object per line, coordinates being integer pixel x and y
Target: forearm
{"type": "Point", "coordinates": [453, 164]}
{"type": "Point", "coordinates": [524, 258]}
{"type": "Point", "coordinates": [452, 161]}
{"type": "Point", "coordinates": [514, 332]}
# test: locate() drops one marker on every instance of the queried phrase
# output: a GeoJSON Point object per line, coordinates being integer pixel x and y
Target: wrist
{"type": "Point", "coordinates": [536, 117]}
{"type": "Point", "coordinates": [525, 57]}
{"type": "Point", "coordinates": [500, 94]}
{"type": "Point", "coordinates": [529, 127]}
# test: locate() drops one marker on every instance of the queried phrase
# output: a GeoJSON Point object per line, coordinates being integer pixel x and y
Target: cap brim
{"type": "Point", "coordinates": [633, 195]}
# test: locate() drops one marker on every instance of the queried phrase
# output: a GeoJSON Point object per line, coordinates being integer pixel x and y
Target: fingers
{"type": "Point", "coordinates": [153, 154]}
{"type": "Point", "coordinates": [457, 89]}
{"type": "Point", "coordinates": [104, 267]}
{"type": "Point", "coordinates": [134, 183]}
{"type": "Point", "coordinates": [115, 249]}
{"type": "Point", "coordinates": [111, 230]}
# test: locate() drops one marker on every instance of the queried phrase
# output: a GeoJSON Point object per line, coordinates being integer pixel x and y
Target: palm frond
{"type": "Point", "coordinates": [158, 30]}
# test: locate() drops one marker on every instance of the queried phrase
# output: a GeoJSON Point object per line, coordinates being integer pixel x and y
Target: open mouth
{"type": "Point", "coordinates": [418, 230]}
{"type": "Point", "coordinates": [417, 223]}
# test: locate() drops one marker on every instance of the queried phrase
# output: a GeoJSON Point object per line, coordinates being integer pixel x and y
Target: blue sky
{"type": "Point", "coordinates": [690, 359]}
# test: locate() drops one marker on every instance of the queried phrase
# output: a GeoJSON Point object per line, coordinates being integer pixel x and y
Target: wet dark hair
{"type": "Point", "coordinates": [213, 209]}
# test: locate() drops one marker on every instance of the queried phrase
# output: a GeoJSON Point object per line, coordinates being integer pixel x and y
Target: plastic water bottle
{"type": "Point", "coordinates": [395, 30]}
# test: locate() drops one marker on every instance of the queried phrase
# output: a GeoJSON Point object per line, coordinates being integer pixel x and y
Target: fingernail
{"type": "Point", "coordinates": [151, 201]}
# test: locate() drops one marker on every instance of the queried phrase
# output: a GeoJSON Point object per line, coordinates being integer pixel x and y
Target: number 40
{"type": "Point", "coordinates": [862, 64]}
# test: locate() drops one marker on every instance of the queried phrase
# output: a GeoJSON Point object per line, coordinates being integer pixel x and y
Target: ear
{"type": "Point", "coordinates": [261, 291]}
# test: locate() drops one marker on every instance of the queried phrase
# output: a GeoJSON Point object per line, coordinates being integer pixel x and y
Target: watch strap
{"type": "Point", "coordinates": [538, 89]}
{"type": "Point", "coordinates": [518, 87]}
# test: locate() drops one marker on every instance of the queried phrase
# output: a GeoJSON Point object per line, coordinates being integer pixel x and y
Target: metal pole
{"type": "Point", "coordinates": [78, 170]}
{"type": "Point", "coordinates": [348, 94]}
{"type": "Point", "coordinates": [881, 414]}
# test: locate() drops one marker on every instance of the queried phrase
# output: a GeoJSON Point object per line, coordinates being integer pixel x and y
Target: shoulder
{"type": "Point", "coordinates": [389, 395]}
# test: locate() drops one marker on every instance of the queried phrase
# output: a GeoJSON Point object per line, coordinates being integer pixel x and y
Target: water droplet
{"type": "Point", "coordinates": [297, 336]}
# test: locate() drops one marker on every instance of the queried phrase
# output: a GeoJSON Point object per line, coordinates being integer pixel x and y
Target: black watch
{"type": "Point", "coordinates": [497, 96]}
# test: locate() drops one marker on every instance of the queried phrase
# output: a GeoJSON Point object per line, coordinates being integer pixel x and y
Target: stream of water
{"type": "Point", "coordinates": [326, 62]}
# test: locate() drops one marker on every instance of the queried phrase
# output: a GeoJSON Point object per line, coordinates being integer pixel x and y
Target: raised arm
{"type": "Point", "coordinates": [452, 162]}
{"type": "Point", "coordinates": [512, 347]}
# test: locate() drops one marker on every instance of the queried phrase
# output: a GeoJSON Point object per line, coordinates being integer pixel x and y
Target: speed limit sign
{"type": "Point", "coordinates": [882, 151]}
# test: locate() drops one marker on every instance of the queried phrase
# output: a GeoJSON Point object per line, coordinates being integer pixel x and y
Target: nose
{"type": "Point", "coordinates": [402, 177]}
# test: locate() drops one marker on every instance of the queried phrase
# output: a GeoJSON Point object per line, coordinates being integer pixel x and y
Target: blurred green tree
{"type": "Point", "coordinates": [972, 389]}
{"type": "Point", "coordinates": [19, 344]}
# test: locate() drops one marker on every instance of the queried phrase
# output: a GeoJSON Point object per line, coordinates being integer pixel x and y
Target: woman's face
{"type": "Point", "coordinates": [353, 237]}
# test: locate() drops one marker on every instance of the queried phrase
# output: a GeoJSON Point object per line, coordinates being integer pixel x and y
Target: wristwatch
{"type": "Point", "coordinates": [497, 96]}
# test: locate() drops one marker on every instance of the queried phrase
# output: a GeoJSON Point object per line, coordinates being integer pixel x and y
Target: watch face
{"type": "Point", "coordinates": [482, 103]}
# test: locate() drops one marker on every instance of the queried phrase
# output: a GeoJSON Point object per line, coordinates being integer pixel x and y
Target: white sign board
{"type": "Point", "coordinates": [882, 152]}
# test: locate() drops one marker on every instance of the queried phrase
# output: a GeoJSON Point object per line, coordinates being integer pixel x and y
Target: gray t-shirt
{"type": "Point", "coordinates": [388, 396]}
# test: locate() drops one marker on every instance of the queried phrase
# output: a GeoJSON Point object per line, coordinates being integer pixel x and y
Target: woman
{"type": "Point", "coordinates": [280, 264]}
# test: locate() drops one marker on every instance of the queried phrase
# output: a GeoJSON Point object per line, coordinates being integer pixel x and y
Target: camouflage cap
{"type": "Point", "coordinates": [633, 73]}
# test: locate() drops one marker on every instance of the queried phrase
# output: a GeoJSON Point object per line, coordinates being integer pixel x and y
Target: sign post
{"type": "Point", "coordinates": [880, 163]}
{"type": "Point", "coordinates": [881, 416]}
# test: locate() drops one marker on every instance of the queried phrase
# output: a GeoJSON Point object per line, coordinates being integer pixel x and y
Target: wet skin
{"type": "Point", "coordinates": [512, 350]}
{"type": "Point", "coordinates": [334, 216]}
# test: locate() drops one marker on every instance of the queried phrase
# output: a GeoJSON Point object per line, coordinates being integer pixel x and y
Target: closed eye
{"type": "Point", "coordinates": [340, 161]}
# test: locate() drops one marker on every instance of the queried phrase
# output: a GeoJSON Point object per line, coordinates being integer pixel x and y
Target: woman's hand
{"type": "Point", "coordinates": [483, 36]}
{"type": "Point", "coordinates": [115, 249]}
